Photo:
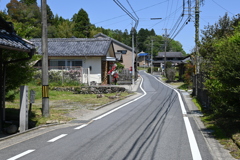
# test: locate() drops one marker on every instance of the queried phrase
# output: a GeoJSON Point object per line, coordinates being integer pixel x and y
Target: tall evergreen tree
{"type": "Point", "coordinates": [82, 24]}
{"type": "Point", "coordinates": [28, 2]}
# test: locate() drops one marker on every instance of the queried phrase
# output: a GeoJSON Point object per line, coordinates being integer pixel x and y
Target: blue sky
{"type": "Point", "coordinates": [107, 14]}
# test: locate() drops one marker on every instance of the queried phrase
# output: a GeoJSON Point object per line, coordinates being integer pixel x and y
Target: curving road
{"type": "Point", "coordinates": [155, 126]}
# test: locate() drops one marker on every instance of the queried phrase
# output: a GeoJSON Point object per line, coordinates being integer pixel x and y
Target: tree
{"type": "Point", "coordinates": [28, 2]}
{"type": "Point", "coordinates": [50, 16]}
{"type": "Point", "coordinates": [82, 24]}
{"type": "Point", "coordinates": [141, 37]}
{"type": "Point", "coordinates": [65, 29]}
{"type": "Point", "coordinates": [18, 73]}
{"type": "Point", "coordinates": [176, 46]}
{"type": "Point", "coordinates": [26, 19]}
{"type": "Point", "coordinates": [220, 50]}
{"type": "Point", "coordinates": [219, 30]}
{"type": "Point", "coordinates": [223, 82]}
{"type": "Point", "coordinates": [157, 44]}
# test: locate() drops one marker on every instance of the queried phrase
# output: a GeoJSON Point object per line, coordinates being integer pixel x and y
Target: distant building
{"type": "Point", "coordinates": [143, 59]}
{"type": "Point", "coordinates": [174, 57]}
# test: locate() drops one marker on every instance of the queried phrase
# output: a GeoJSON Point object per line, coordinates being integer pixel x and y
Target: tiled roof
{"type": "Point", "coordinates": [75, 46]}
{"type": "Point", "coordinates": [12, 41]}
{"type": "Point", "coordinates": [170, 54]}
{"type": "Point", "coordinates": [114, 40]}
{"type": "Point", "coordinates": [9, 39]}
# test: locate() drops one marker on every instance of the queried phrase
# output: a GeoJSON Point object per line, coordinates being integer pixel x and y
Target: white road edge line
{"type": "Point", "coordinates": [57, 138]}
{"type": "Point", "coordinates": [191, 138]}
{"type": "Point", "coordinates": [80, 127]}
{"type": "Point", "coordinates": [21, 154]}
{"type": "Point", "coordinates": [104, 115]}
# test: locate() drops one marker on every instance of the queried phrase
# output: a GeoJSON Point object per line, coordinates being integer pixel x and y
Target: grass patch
{"type": "Point", "coordinates": [184, 86]}
{"type": "Point", "coordinates": [226, 131]}
{"type": "Point", "coordinates": [61, 103]}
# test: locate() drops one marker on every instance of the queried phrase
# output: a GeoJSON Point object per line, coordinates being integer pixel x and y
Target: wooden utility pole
{"type": "Point", "coordinates": [152, 57]}
{"type": "Point", "coordinates": [197, 46]}
{"type": "Point", "coordinates": [45, 86]}
{"type": "Point", "coordinates": [133, 57]}
{"type": "Point", "coordinates": [1, 91]}
{"type": "Point", "coordinates": [165, 49]}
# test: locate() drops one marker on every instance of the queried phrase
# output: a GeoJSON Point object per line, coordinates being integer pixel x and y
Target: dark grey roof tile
{"type": "Point", "coordinates": [75, 46]}
{"type": "Point", "coordinates": [170, 54]}
{"type": "Point", "coordinates": [12, 40]}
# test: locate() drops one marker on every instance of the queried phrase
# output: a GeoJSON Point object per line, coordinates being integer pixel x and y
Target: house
{"type": "Point", "coordinates": [9, 41]}
{"type": "Point", "coordinates": [174, 57]}
{"type": "Point", "coordinates": [120, 47]}
{"type": "Point", "coordinates": [143, 59]}
{"type": "Point", "coordinates": [94, 53]}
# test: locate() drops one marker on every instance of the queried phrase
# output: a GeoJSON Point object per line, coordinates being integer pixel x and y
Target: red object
{"type": "Point", "coordinates": [115, 75]}
{"type": "Point", "coordinates": [112, 69]}
{"type": "Point", "coordinates": [130, 69]}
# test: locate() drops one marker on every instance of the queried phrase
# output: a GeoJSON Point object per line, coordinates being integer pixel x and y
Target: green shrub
{"type": "Point", "coordinates": [170, 74]}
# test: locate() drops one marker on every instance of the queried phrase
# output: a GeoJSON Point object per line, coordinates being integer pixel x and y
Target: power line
{"type": "Point", "coordinates": [136, 19]}
{"type": "Point", "coordinates": [154, 5]}
{"type": "Point", "coordinates": [222, 7]}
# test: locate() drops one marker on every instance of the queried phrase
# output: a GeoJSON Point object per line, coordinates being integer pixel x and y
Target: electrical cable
{"type": "Point", "coordinates": [134, 13]}
{"type": "Point", "coordinates": [184, 24]}
{"type": "Point", "coordinates": [223, 7]}
{"type": "Point", "coordinates": [127, 12]}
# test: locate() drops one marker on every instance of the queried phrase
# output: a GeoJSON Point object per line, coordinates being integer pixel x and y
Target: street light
{"type": "Point", "coordinates": [155, 18]}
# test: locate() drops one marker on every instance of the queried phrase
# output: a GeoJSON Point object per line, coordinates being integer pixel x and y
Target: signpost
{"type": "Point", "coordinates": [23, 126]}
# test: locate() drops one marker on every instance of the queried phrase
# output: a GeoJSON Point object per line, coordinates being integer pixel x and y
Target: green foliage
{"type": "Point", "coordinates": [189, 70]}
{"type": "Point", "coordinates": [17, 73]}
{"type": "Point", "coordinates": [170, 74]}
{"type": "Point", "coordinates": [65, 29]}
{"type": "Point", "coordinates": [82, 24]}
{"type": "Point", "coordinates": [120, 66]}
{"type": "Point", "coordinates": [223, 81]}
{"type": "Point", "coordinates": [176, 46]}
{"type": "Point", "coordinates": [154, 69]}
{"type": "Point", "coordinates": [168, 65]}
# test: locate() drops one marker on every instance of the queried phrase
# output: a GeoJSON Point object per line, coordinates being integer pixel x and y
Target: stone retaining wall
{"type": "Point", "coordinates": [91, 89]}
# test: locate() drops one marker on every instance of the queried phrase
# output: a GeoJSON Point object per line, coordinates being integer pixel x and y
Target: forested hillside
{"type": "Point", "coordinates": [26, 17]}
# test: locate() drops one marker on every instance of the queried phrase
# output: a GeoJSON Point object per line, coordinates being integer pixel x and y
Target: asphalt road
{"type": "Point", "coordinates": [154, 126]}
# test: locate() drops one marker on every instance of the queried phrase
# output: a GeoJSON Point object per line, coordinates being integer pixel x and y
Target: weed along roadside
{"type": "Point", "coordinates": [66, 104]}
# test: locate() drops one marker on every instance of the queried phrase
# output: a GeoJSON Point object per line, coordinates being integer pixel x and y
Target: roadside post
{"type": "Point", "coordinates": [23, 126]}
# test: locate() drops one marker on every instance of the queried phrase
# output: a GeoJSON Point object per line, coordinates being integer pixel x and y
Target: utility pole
{"type": "Point", "coordinates": [165, 49]}
{"type": "Point", "coordinates": [1, 91]}
{"type": "Point", "coordinates": [133, 57]}
{"type": "Point", "coordinates": [196, 45]}
{"type": "Point", "coordinates": [152, 57]}
{"type": "Point", "coordinates": [45, 86]}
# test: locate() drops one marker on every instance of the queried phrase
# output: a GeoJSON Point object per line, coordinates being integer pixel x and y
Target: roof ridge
{"type": "Point", "coordinates": [72, 39]}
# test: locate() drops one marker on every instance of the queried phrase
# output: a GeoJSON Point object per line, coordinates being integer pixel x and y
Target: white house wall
{"type": "Point", "coordinates": [96, 69]}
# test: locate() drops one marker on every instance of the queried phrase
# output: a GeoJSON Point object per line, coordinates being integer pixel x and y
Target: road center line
{"type": "Point", "coordinates": [21, 154]}
{"type": "Point", "coordinates": [57, 138]}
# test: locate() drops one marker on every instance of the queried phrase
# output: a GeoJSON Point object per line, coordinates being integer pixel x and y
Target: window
{"type": "Point", "coordinates": [58, 64]}
{"type": "Point", "coordinates": [122, 51]}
